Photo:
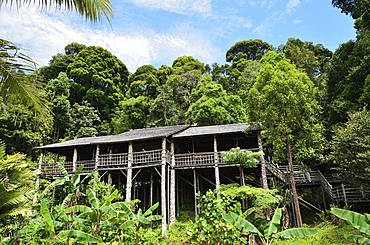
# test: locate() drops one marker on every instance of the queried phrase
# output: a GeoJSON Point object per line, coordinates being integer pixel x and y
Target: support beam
{"type": "Point", "coordinates": [37, 184]}
{"type": "Point", "coordinates": [129, 171]}
{"type": "Point", "coordinates": [97, 156]}
{"type": "Point", "coordinates": [74, 161]}
{"type": "Point", "coordinates": [163, 189]}
{"type": "Point", "coordinates": [262, 160]}
{"type": "Point", "coordinates": [217, 160]}
{"type": "Point", "coordinates": [172, 186]}
{"type": "Point", "coordinates": [195, 192]}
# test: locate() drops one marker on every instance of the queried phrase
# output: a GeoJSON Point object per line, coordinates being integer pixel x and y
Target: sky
{"type": "Point", "coordinates": [156, 32]}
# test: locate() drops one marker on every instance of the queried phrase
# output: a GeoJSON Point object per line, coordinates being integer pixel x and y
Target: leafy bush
{"type": "Point", "coordinates": [236, 155]}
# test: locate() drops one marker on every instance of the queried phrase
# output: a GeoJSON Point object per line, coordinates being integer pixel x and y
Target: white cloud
{"type": "Point", "coordinates": [45, 36]}
{"type": "Point", "coordinates": [178, 6]}
{"type": "Point", "coordinates": [276, 17]}
{"type": "Point", "coordinates": [297, 21]}
{"type": "Point", "coordinates": [291, 6]}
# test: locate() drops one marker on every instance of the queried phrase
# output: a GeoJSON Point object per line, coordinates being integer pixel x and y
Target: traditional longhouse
{"type": "Point", "coordinates": [171, 164]}
{"type": "Point", "coordinates": [164, 164]}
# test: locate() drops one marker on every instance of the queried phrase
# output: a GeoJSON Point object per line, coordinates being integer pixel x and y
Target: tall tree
{"type": "Point", "coordinates": [359, 10]}
{"type": "Point", "coordinates": [351, 148]}
{"type": "Point", "coordinates": [60, 61]}
{"type": "Point", "coordinates": [144, 82]}
{"type": "Point", "coordinates": [212, 105]}
{"type": "Point", "coordinates": [14, 83]}
{"type": "Point", "coordinates": [85, 119]}
{"type": "Point", "coordinates": [100, 78]}
{"type": "Point", "coordinates": [252, 49]}
{"type": "Point", "coordinates": [284, 99]}
{"type": "Point", "coordinates": [58, 94]}
{"type": "Point", "coordinates": [348, 71]}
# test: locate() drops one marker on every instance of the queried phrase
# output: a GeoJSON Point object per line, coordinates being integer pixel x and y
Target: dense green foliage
{"type": "Point", "coordinates": [312, 102]}
{"type": "Point", "coordinates": [351, 149]}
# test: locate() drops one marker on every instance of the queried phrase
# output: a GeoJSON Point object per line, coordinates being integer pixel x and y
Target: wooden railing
{"type": "Point", "coordinates": [89, 165]}
{"type": "Point", "coordinates": [204, 158]}
{"type": "Point", "coordinates": [147, 157]}
{"type": "Point", "coordinates": [120, 159]}
{"type": "Point", "coordinates": [351, 194]}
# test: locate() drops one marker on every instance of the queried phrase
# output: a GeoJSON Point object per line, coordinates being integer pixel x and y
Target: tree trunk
{"type": "Point", "coordinates": [292, 183]}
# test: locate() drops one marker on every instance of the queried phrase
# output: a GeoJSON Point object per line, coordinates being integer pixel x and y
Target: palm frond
{"type": "Point", "coordinates": [17, 82]}
{"type": "Point", "coordinates": [92, 10]}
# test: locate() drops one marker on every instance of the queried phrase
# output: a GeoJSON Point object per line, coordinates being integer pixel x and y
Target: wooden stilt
{"type": "Point", "coordinates": [74, 161]}
{"type": "Point", "coordinates": [97, 156]}
{"type": "Point", "coordinates": [129, 172]}
{"type": "Point", "coordinates": [37, 184]}
{"type": "Point", "coordinates": [151, 188]}
{"type": "Point", "coordinates": [172, 186]}
{"type": "Point", "coordinates": [262, 160]}
{"type": "Point", "coordinates": [163, 189]}
{"type": "Point", "coordinates": [217, 171]}
{"type": "Point", "coordinates": [195, 192]}
{"type": "Point", "coordinates": [177, 197]}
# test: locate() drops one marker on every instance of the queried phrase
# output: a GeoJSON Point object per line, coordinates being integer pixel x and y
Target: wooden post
{"type": "Point", "coordinates": [172, 185]}
{"type": "Point", "coordinates": [344, 195]}
{"type": "Point", "coordinates": [151, 188]}
{"type": "Point", "coordinates": [195, 192]}
{"type": "Point", "coordinates": [163, 189]}
{"type": "Point", "coordinates": [130, 160]}
{"type": "Point", "coordinates": [74, 161]}
{"type": "Point", "coordinates": [262, 160]}
{"type": "Point", "coordinates": [292, 183]}
{"type": "Point", "coordinates": [97, 156]}
{"type": "Point", "coordinates": [37, 184]}
{"type": "Point", "coordinates": [217, 171]}
{"type": "Point", "coordinates": [109, 179]}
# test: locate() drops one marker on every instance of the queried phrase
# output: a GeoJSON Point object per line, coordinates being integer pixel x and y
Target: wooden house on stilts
{"type": "Point", "coordinates": [164, 164]}
{"type": "Point", "coordinates": [170, 165]}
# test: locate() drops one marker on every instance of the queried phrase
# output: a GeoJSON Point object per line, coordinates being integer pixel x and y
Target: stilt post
{"type": "Point", "coordinates": [217, 160]}
{"type": "Point", "coordinates": [163, 189]}
{"type": "Point", "coordinates": [130, 160]}
{"type": "Point", "coordinates": [74, 161]}
{"type": "Point", "coordinates": [172, 185]}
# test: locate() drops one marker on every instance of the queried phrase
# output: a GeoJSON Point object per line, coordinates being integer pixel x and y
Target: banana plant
{"type": "Point", "coordinates": [71, 183]}
{"type": "Point", "coordinates": [96, 212]}
{"type": "Point", "coordinates": [271, 230]}
{"type": "Point", "coordinates": [359, 221]}
{"type": "Point", "coordinates": [137, 219]}
{"type": "Point", "coordinates": [51, 225]}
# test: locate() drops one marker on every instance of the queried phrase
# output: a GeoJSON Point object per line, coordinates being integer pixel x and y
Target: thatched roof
{"type": "Point", "coordinates": [219, 129]}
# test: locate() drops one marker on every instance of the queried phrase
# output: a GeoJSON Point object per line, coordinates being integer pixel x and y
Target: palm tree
{"type": "Point", "coordinates": [15, 184]}
{"type": "Point", "coordinates": [17, 71]}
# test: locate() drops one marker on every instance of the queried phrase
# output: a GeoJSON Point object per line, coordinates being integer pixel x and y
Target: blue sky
{"type": "Point", "coordinates": [158, 31]}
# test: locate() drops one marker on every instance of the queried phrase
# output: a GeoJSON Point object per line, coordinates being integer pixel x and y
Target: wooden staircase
{"type": "Point", "coordinates": [338, 192]}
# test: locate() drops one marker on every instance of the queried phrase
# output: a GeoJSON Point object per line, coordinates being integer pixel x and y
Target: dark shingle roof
{"type": "Point", "coordinates": [133, 135]}
{"type": "Point", "coordinates": [158, 132]}
{"type": "Point", "coordinates": [75, 142]}
{"type": "Point", "coordinates": [143, 134]}
{"type": "Point", "coordinates": [219, 129]}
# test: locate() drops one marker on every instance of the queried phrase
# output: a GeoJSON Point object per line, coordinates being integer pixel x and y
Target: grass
{"type": "Point", "coordinates": [329, 234]}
